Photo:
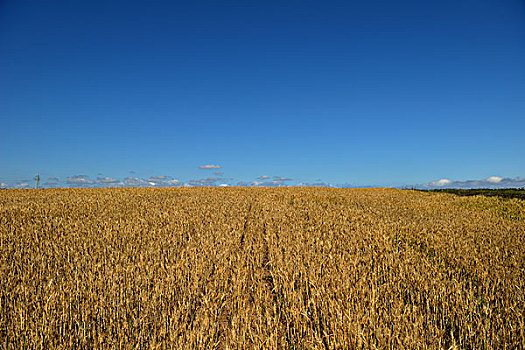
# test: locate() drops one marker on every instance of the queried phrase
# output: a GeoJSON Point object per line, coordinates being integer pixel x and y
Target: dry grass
{"type": "Point", "coordinates": [259, 268]}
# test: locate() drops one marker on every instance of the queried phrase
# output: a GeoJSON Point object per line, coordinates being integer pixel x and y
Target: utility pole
{"type": "Point", "coordinates": [37, 178]}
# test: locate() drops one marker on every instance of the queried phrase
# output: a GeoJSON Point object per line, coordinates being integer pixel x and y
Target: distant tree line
{"type": "Point", "coordinates": [500, 192]}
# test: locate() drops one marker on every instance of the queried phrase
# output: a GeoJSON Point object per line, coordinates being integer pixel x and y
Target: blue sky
{"type": "Point", "coordinates": [362, 93]}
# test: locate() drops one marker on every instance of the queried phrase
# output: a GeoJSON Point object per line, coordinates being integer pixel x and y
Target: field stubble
{"type": "Point", "coordinates": [259, 268]}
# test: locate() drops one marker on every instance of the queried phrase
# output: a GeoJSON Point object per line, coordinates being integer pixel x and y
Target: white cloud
{"type": "Point", "coordinates": [489, 182]}
{"type": "Point", "coordinates": [22, 185]}
{"type": "Point", "coordinates": [256, 183]}
{"type": "Point", "coordinates": [441, 182]}
{"type": "Point", "coordinates": [3, 185]}
{"type": "Point", "coordinates": [265, 181]}
{"type": "Point", "coordinates": [159, 178]}
{"type": "Point", "coordinates": [107, 181]}
{"type": "Point", "coordinates": [210, 181]}
{"type": "Point", "coordinates": [173, 182]}
{"type": "Point", "coordinates": [281, 179]}
{"type": "Point", "coordinates": [79, 180]}
{"type": "Point", "coordinates": [314, 184]}
{"type": "Point", "coordinates": [135, 182]}
{"type": "Point", "coordinates": [494, 179]}
{"type": "Point", "coordinates": [210, 166]}
{"type": "Point", "coordinates": [163, 181]}
{"type": "Point", "coordinates": [157, 181]}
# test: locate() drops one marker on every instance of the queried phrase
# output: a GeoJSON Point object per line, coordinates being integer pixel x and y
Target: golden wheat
{"type": "Point", "coordinates": [260, 268]}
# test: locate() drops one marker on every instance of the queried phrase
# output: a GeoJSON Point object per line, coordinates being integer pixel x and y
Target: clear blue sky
{"type": "Point", "coordinates": [387, 93]}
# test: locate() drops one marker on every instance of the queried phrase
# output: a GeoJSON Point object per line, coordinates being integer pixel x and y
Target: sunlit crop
{"type": "Point", "coordinates": [260, 268]}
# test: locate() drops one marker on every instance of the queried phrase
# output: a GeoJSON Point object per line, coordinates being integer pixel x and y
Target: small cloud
{"type": "Point", "coordinates": [314, 184]}
{"type": "Point", "coordinates": [22, 185]}
{"type": "Point", "coordinates": [266, 181]}
{"type": "Point", "coordinates": [210, 166]}
{"type": "Point", "coordinates": [218, 173]}
{"type": "Point", "coordinates": [3, 185]}
{"type": "Point", "coordinates": [156, 181]}
{"type": "Point", "coordinates": [441, 182]}
{"type": "Point", "coordinates": [164, 181]}
{"type": "Point", "coordinates": [281, 179]}
{"type": "Point", "coordinates": [135, 182]}
{"type": "Point", "coordinates": [107, 181]}
{"type": "Point", "coordinates": [223, 185]}
{"type": "Point", "coordinates": [256, 183]}
{"type": "Point", "coordinates": [489, 182]}
{"type": "Point", "coordinates": [79, 180]}
{"type": "Point", "coordinates": [210, 181]}
{"type": "Point", "coordinates": [53, 179]}
{"type": "Point", "coordinates": [132, 171]}
{"type": "Point", "coordinates": [494, 179]}
{"type": "Point", "coordinates": [159, 178]}
{"type": "Point", "coordinates": [173, 182]}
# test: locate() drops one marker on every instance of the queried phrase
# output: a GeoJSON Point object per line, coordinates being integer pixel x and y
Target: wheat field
{"type": "Point", "coordinates": [260, 268]}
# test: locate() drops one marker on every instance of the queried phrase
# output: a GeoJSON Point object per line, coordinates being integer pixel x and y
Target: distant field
{"type": "Point", "coordinates": [260, 268]}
